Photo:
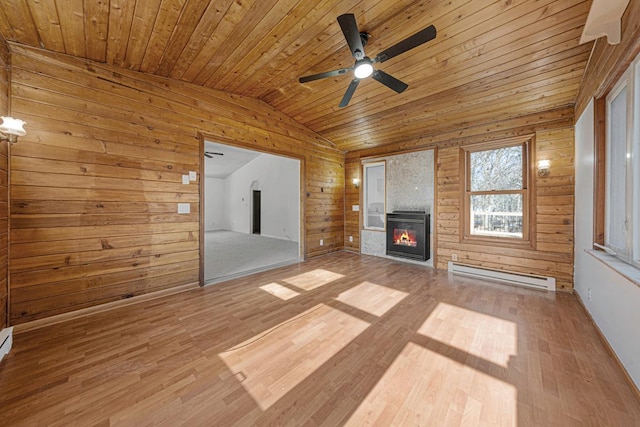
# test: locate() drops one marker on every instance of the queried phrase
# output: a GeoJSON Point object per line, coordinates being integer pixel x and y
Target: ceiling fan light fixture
{"type": "Point", "coordinates": [363, 68]}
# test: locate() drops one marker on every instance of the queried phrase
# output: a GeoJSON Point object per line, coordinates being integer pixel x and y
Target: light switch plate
{"type": "Point", "coordinates": [184, 208]}
{"type": "Point", "coordinates": [193, 175]}
{"type": "Point", "coordinates": [185, 179]}
{"type": "Point", "coordinates": [355, 208]}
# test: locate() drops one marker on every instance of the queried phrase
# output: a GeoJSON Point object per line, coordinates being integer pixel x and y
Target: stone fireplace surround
{"type": "Point", "coordinates": [410, 186]}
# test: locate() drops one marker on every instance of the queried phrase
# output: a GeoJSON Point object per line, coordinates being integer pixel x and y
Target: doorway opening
{"type": "Point", "coordinates": [252, 211]}
{"type": "Point", "coordinates": [256, 212]}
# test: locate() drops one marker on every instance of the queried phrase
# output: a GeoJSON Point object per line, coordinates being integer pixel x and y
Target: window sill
{"type": "Point", "coordinates": [504, 242]}
{"type": "Point", "coordinates": [628, 271]}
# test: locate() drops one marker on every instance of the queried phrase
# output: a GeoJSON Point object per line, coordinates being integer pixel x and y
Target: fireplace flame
{"type": "Point", "coordinates": [404, 238]}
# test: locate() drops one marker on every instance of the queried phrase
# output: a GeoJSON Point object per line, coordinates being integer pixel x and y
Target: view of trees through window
{"type": "Point", "coordinates": [496, 196]}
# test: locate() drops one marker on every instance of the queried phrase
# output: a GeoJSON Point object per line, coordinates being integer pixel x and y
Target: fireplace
{"type": "Point", "coordinates": [408, 235]}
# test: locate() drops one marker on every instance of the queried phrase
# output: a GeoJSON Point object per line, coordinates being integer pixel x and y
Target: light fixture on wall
{"type": "Point", "coordinates": [11, 129]}
{"type": "Point", "coordinates": [356, 182]}
{"type": "Point", "coordinates": [543, 167]}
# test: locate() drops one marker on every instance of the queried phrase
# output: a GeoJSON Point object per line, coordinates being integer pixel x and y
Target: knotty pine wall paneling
{"type": "Point", "coordinates": [352, 198]}
{"type": "Point", "coordinates": [553, 254]}
{"type": "Point", "coordinates": [96, 181]}
{"type": "Point", "coordinates": [4, 187]}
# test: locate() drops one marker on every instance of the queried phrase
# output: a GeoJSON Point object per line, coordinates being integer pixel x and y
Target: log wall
{"type": "Point", "coordinates": [4, 187]}
{"type": "Point", "coordinates": [96, 181]}
{"type": "Point", "coordinates": [553, 253]}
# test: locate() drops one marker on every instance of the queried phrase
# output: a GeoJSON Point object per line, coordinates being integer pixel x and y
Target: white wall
{"type": "Point", "coordinates": [279, 183]}
{"type": "Point", "coordinates": [214, 216]}
{"type": "Point", "coordinates": [615, 301]}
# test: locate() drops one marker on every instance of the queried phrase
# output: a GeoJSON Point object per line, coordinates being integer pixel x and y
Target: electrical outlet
{"type": "Point", "coordinates": [589, 294]}
{"type": "Point", "coordinates": [321, 242]}
{"type": "Point", "coordinates": [454, 257]}
{"type": "Point", "coordinates": [351, 238]}
{"type": "Point", "coordinates": [184, 208]}
{"type": "Point", "coordinates": [185, 179]}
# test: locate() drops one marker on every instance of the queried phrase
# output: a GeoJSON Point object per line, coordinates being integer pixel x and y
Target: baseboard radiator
{"type": "Point", "coordinates": [519, 279]}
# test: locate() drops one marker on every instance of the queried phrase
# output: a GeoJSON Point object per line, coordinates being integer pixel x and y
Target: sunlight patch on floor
{"type": "Point", "coordinates": [279, 291]}
{"type": "Point", "coordinates": [486, 337]}
{"type": "Point", "coordinates": [372, 298]}
{"type": "Point", "coordinates": [274, 362]}
{"type": "Point", "coordinates": [417, 389]}
{"type": "Point", "coordinates": [313, 279]}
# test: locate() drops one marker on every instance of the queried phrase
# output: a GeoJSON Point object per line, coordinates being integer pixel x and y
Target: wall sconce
{"type": "Point", "coordinates": [356, 182]}
{"type": "Point", "coordinates": [543, 167]}
{"type": "Point", "coordinates": [11, 129]}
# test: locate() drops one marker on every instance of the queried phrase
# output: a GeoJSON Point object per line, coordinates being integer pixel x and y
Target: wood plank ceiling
{"type": "Point", "coordinates": [491, 60]}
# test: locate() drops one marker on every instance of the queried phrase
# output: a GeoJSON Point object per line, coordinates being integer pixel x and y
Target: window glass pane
{"type": "Point", "coordinates": [616, 210]}
{"type": "Point", "coordinates": [497, 215]}
{"type": "Point", "coordinates": [499, 169]}
{"type": "Point", "coordinates": [374, 196]}
{"type": "Point", "coordinates": [635, 166]}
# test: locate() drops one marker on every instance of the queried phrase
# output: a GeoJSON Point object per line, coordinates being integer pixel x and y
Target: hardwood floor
{"type": "Point", "coordinates": [338, 340]}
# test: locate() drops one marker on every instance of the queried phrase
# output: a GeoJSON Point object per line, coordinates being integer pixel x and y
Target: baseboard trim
{"type": "Point", "coordinates": [634, 388]}
{"type": "Point", "coordinates": [353, 251]}
{"type": "Point", "coordinates": [83, 312]}
{"type": "Point", "coordinates": [6, 341]}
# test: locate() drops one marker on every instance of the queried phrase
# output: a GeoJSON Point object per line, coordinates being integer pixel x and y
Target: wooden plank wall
{"type": "Point", "coordinates": [4, 187]}
{"type": "Point", "coordinates": [352, 198]}
{"type": "Point", "coordinates": [553, 255]}
{"type": "Point", "coordinates": [96, 181]}
{"type": "Point", "coordinates": [608, 62]}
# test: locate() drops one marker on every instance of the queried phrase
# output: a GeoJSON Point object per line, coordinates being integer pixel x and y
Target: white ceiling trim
{"type": "Point", "coordinates": [604, 20]}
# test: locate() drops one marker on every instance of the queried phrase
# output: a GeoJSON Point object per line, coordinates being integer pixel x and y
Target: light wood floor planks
{"type": "Point", "coordinates": [338, 340]}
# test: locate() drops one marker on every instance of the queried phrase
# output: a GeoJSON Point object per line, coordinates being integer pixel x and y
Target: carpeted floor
{"type": "Point", "coordinates": [230, 254]}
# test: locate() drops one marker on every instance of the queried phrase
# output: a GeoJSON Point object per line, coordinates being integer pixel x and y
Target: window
{"type": "Point", "coordinates": [496, 199]}
{"type": "Point", "coordinates": [374, 196]}
{"type": "Point", "coordinates": [622, 167]}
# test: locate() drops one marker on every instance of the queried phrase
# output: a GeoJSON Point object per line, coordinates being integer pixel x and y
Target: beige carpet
{"type": "Point", "coordinates": [230, 254]}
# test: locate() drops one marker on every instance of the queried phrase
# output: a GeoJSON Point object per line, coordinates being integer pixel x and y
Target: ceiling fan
{"type": "Point", "coordinates": [210, 154]}
{"type": "Point", "coordinates": [363, 67]}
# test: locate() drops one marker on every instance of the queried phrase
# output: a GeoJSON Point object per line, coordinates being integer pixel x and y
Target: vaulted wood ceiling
{"type": "Point", "coordinates": [491, 60]}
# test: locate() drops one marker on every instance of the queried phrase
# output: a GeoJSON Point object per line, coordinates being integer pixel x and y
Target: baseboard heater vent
{"type": "Point", "coordinates": [528, 280]}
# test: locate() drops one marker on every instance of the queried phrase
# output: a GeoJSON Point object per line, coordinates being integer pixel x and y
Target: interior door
{"type": "Point", "coordinates": [256, 212]}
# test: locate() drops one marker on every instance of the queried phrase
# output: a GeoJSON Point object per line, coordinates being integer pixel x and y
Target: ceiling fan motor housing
{"type": "Point", "coordinates": [365, 38]}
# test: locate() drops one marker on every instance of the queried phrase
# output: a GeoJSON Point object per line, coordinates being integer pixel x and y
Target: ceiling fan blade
{"type": "Point", "coordinates": [351, 33]}
{"type": "Point", "coordinates": [349, 93]}
{"type": "Point", "coordinates": [409, 43]}
{"type": "Point", "coordinates": [389, 81]}
{"type": "Point", "coordinates": [323, 75]}
{"type": "Point", "coordinates": [207, 155]}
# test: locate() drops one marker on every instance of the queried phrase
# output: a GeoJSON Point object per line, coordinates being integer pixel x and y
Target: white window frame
{"type": "Point", "coordinates": [630, 252]}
